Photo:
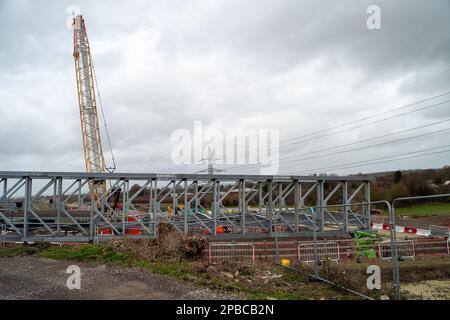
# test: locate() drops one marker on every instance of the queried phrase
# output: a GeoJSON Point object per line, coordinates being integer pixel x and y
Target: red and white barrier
{"type": "Point", "coordinates": [401, 229]}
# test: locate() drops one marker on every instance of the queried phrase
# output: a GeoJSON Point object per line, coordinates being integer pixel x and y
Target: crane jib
{"type": "Point", "coordinates": [90, 131]}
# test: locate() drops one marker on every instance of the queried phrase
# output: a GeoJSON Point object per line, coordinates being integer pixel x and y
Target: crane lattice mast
{"type": "Point", "coordinates": [90, 131]}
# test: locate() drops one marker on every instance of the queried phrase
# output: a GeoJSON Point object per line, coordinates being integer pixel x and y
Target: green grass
{"type": "Point", "coordinates": [425, 210]}
{"type": "Point", "coordinates": [17, 251]}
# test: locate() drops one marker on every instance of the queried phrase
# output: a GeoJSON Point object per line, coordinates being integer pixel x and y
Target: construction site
{"type": "Point", "coordinates": [216, 235]}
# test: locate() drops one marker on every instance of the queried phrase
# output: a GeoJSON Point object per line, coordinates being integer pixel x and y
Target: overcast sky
{"type": "Point", "coordinates": [297, 66]}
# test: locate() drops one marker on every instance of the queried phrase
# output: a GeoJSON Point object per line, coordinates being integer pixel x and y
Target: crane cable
{"type": "Point", "coordinates": [113, 168]}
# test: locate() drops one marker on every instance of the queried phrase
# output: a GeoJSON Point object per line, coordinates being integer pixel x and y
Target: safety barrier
{"type": "Point", "coordinates": [405, 249]}
{"type": "Point", "coordinates": [135, 229]}
{"type": "Point", "coordinates": [270, 251]}
{"type": "Point", "coordinates": [324, 250]}
{"type": "Point", "coordinates": [347, 249]}
{"type": "Point", "coordinates": [430, 246]}
{"type": "Point", "coordinates": [439, 230]}
{"type": "Point", "coordinates": [103, 231]}
{"type": "Point", "coordinates": [231, 252]}
{"type": "Point", "coordinates": [339, 250]}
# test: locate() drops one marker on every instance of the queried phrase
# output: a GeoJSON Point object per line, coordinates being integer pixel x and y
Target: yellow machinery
{"type": "Point", "coordinates": [170, 212]}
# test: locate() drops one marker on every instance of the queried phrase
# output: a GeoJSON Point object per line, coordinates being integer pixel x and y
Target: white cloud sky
{"type": "Point", "coordinates": [296, 66]}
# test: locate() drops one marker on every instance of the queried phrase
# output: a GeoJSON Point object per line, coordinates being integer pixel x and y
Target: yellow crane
{"type": "Point", "coordinates": [90, 131]}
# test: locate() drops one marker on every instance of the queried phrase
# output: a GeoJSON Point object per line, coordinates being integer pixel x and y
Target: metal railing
{"type": "Point", "coordinates": [439, 230]}
{"type": "Point", "coordinates": [325, 250]}
{"type": "Point", "coordinates": [231, 252]}
{"type": "Point", "coordinates": [405, 249]}
{"type": "Point", "coordinates": [395, 204]}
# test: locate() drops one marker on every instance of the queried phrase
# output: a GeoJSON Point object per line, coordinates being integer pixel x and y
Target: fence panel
{"type": "Point", "coordinates": [269, 251]}
{"type": "Point", "coordinates": [324, 250]}
{"type": "Point", "coordinates": [430, 246]}
{"type": "Point", "coordinates": [405, 249]}
{"type": "Point", "coordinates": [231, 252]}
{"type": "Point", "coordinates": [439, 230]}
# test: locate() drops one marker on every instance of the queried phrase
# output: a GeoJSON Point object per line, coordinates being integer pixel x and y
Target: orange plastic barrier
{"type": "Point", "coordinates": [104, 231]}
{"type": "Point", "coordinates": [133, 230]}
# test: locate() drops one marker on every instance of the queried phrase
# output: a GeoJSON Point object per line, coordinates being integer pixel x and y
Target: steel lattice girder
{"type": "Point", "coordinates": [262, 205]}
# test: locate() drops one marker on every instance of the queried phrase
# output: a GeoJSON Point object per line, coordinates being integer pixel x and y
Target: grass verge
{"type": "Point", "coordinates": [425, 210]}
{"type": "Point", "coordinates": [245, 281]}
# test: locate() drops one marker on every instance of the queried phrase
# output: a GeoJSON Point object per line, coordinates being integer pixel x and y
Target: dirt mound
{"type": "Point", "coordinates": [169, 244]}
{"type": "Point", "coordinates": [229, 274]}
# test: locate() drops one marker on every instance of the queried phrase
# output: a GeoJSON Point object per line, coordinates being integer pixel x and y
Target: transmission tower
{"type": "Point", "coordinates": [211, 161]}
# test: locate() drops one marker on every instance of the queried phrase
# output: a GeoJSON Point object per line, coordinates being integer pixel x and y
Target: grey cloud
{"type": "Point", "coordinates": [299, 66]}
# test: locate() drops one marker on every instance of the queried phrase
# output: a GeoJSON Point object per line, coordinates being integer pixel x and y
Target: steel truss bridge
{"type": "Point", "coordinates": [58, 206]}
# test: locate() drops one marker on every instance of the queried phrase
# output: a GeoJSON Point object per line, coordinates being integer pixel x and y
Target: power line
{"type": "Point", "coordinates": [376, 115]}
{"type": "Point", "coordinates": [374, 122]}
{"type": "Point", "coordinates": [367, 147]}
{"type": "Point", "coordinates": [282, 143]}
{"type": "Point", "coordinates": [374, 138]}
{"type": "Point", "coordinates": [351, 143]}
{"type": "Point", "coordinates": [365, 140]}
{"type": "Point", "coordinates": [371, 146]}
{"type": "Point", "coordinates": [375, 159]}
{"type": "Point", "coordinates": [406, 84]}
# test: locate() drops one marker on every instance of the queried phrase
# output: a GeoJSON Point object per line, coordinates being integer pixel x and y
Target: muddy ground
{"type": "Point", "coordinates": [26, 277]}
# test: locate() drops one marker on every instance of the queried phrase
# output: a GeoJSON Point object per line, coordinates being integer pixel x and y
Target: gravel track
{"type": "Point", "coordinates": [26, 277]}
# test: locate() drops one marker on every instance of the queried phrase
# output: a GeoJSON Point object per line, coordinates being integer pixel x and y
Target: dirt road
{"type": "Point", "coordinates": [40, 278]}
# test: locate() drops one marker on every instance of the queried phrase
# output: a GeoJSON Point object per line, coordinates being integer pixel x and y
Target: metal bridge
{"type": "Point", "coordinates": [59, 206]}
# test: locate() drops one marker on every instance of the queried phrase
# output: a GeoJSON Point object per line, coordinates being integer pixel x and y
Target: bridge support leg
{"type": "Point", "coordinates": [319, 221]}
{"type": "Point", "coordinates": [345, 202]}
{"type": "Point", "coordinates": [185, 218]}
{"type": "Point", "coordinates": [26, 207]}
{"type": "Point", "coordinates": [367, 206]}
{"type": "Point", "coordinates": [269, 213]}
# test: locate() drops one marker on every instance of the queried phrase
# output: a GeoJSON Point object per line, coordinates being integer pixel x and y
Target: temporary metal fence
{"type": "Point", "coordinates": [439, 230]}
{"type": "Point", "coordinates": [348, 249]}
{"type": "Point", "coordinates": [405, 249]}
{"type": "Point", "coordinates": [231, 252]}
{"type": "Point", "coordinates": [325, 250]}
{"type": "Point", "coordinates": [275, 251]}
{"type": "Point", "coordinates": [431, 247]}
{"type": "Point", "coordinates": [340, 250]}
